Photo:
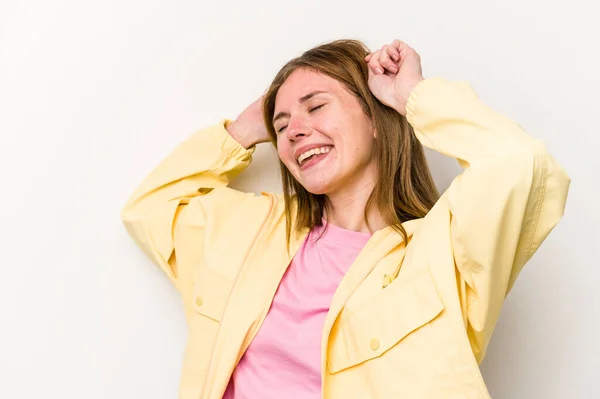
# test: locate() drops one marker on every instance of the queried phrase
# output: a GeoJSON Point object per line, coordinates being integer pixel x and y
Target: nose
{"type": "Point", "coordinates": [297, 128]}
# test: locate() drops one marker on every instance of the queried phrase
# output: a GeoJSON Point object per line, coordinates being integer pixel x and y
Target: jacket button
{"type": "Point", "coordinates": [374, 344]}
{"type": "Point", "coordinates": [199, 300]}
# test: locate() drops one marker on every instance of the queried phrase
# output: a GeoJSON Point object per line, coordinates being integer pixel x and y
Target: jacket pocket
{"type": "Point", "coordinates": [373, 328]}
{"type": "Point", "coordinates": [211, 293]}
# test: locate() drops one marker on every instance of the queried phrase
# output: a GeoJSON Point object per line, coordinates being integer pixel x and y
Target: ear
{"type": "Point", "coordinates": [375, 134]}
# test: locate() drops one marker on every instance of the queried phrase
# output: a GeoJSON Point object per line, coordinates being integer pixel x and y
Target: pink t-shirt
{"type": "Point", "coordinates": [284, 359]}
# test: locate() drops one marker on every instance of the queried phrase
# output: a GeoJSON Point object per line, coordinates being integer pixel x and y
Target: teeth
{"type": "Point", "coordinates": [309, 153]}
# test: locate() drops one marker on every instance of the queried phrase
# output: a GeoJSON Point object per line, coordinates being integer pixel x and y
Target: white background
{"type": "Point", "coordinates": [94, 94]}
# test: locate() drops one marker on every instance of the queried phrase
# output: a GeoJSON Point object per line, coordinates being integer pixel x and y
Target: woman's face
{"type": "Point", "coordinates": [323, 136]}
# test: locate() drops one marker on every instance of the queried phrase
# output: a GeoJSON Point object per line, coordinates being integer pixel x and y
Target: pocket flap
{"type": "Point", "coordinates": [211, 293]}
{"type": "Point", "coordinates": [372, 329]}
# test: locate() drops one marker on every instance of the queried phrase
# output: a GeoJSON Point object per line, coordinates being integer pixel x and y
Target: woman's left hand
{"type": "Point", "coordinates": [394, 71]}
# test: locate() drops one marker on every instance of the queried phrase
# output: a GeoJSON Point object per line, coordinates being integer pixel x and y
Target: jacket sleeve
{"type": "Point", "coordinates": [208, 159]}
{"type": "Point", "coordinates": [507, 200]}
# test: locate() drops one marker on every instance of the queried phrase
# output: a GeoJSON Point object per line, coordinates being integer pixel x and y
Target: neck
{"type": "Point", "coordinates": [347, 209]}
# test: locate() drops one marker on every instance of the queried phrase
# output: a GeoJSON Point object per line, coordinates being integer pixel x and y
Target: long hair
{"type": "Point", "coordinates": [405, 188]}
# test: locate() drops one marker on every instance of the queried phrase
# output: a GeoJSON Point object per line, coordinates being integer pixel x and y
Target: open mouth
{"type": "Point", "coordinates": [313, 156]}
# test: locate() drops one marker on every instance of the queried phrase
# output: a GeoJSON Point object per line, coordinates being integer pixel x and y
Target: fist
{"type": "Point", "coordinates": [394, 71]}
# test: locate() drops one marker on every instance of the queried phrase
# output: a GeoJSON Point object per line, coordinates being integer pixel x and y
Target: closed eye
{"type": "Point", "coordinates": [311, 110]}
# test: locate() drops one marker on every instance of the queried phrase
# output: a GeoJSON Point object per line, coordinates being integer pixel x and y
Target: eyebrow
{"type": "Point", "coordinates": [302, 100]}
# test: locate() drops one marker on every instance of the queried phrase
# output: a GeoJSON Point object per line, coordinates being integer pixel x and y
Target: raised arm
{"type": "Point", "coordinates": [208, 159]}
{"type": "Point", "coordinates": [509, 197]}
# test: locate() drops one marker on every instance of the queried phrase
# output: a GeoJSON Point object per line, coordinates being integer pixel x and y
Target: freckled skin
{"type": "Point", "coordinates": [340, 122]}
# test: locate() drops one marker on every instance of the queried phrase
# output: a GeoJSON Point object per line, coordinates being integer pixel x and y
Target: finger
{"type": "Point", "coordinates": [393, 51]}
{"type": "Point", "coordinates": [398, 44]}
{"type": "Point", "coordinates": [368, 57]}
{"type": "Point", "coordinates": [374, 63]}
{"type": "Point", "coordinates": [386, 61]}
{"type": "Point", "coordinates": [403, 48]}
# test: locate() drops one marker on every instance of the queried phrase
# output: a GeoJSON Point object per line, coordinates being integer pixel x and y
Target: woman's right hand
{"type": "Point", "coordinates": [249, 127]}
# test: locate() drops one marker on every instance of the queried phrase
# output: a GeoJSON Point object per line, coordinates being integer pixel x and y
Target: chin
{"type": "Point", "coordinates": [315, 192]}
{"type": "Point", "coordinates": [317, 188]}
{"type": "Point", "coordinates": [317, 182]}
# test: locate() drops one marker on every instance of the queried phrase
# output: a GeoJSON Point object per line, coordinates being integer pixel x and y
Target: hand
{"type": "Point", "coordinates": [249, 127]}
{"type": "Point", "coordinates": [394, 71]}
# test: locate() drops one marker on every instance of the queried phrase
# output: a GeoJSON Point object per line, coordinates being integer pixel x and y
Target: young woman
{"type": "Point", "coordinates": [359, 281]}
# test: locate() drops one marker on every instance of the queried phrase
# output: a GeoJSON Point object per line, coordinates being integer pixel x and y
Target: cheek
{"type": "Point", "coordinates": [284, 152]}
{"type": "Point", "coordinates": [359, 146]}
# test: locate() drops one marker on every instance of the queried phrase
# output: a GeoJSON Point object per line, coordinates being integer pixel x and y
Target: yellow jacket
{"type": "Point", "coordinates": [407, 321]}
